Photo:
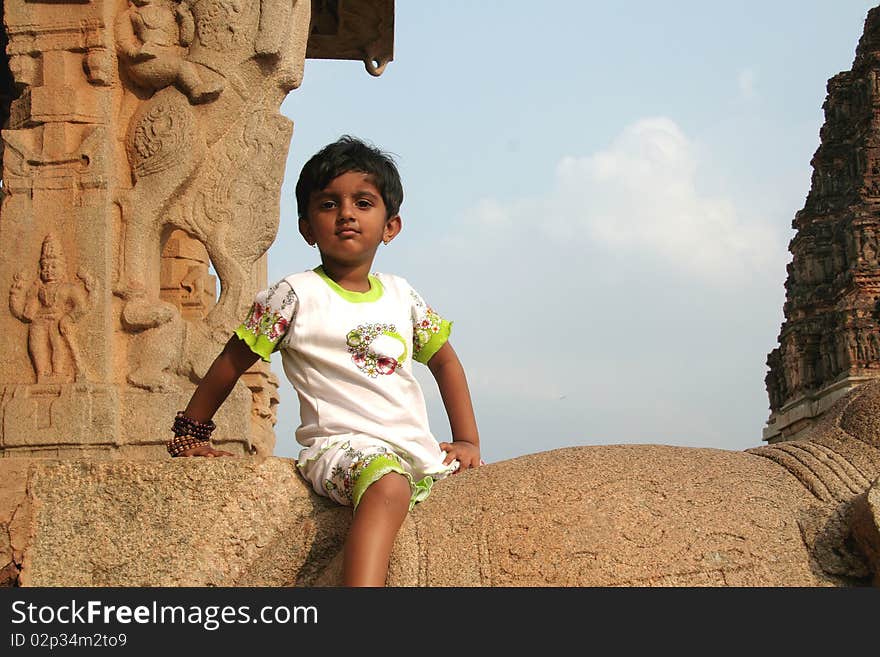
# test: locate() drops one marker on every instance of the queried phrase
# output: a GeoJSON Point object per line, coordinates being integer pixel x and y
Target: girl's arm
{"type": "Point", "coordinates": [213, 390]}
{"type": "Point", "coordinates": [452, 382]}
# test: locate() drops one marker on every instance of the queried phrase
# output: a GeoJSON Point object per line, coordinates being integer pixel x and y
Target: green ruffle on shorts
{"type": "Point", "coordinates": [379, 467]}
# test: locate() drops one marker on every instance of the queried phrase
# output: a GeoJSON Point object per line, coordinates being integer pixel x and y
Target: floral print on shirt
{"type": "Point", "coordinates": [360, 341]}
{"type": "Point", "coordinates": [270, 316]}
{"type": "Point", "coordinates": [426, 323]}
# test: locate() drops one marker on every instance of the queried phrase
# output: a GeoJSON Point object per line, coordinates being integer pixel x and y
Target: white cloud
{"type": "Point", "coordinates": [639, 198]}
{"type": "Point", "coordinates": [745, 80]}
{"type": "Point", "coordinates": [625, 304]}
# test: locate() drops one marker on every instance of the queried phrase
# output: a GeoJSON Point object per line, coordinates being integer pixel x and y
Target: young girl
{"type": "Point", "coordinates": [347, 340]}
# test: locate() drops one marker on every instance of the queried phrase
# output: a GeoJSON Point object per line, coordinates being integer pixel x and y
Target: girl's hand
{"type": "Point", "coordinates": [205, 450]}
{"type": "Point", "coordinates": [468, 454]}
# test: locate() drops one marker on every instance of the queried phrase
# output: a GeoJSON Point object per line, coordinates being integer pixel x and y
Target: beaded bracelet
{"type": "Point", "coordinates": [179, 444]}
{"type": "Point", "coordinates": [184, 426]}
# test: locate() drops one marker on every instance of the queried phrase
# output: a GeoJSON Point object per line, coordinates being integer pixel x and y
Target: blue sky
{"type": "Point", "coordinates": [600, 196]}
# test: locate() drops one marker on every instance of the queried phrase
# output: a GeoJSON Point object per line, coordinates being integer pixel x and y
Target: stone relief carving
{"type": "Point", "coordinates": [185, 278]}
{"type": "Point", "coordinates": [99, 65]}
{"type": "Point", "coordinates": [235, 30]}
{"type": "Point", "coordinates": [220, 25]}
{"type": "Point", "coordinates": [143, 125]}
{"type": "Point", "coordinates": [802, 513]}
{"type": "Point", "coordinates": [237, 216]}
{"type": "Point", "coordinates": [212, 171]}
{"type": "Point", "coordinates": [263, 384]}
{"type": "Point", "coordinates": [52, 305]}
{"type": "Point", "coordinates": [153, 36]}
{"type": "Point", "coordinates": [273, 29]}
{"type": "Point", "coordinates": [26, 70]}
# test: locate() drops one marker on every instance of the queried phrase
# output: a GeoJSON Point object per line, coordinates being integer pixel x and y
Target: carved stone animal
{"type": "Point", "coordinates": [794, 514]}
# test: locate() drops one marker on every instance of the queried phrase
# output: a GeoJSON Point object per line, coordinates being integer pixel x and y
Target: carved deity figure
{"type": "Point", "coordinates": [792, 370]}
{"type": "Point", "coordinates": [25, 70]}
{"type": "Point", "coordinates": [852, 350]}
{"type": "Point", "coordinates": [52, 305]}
{"type": "Point", "coordinates": [153, 36]}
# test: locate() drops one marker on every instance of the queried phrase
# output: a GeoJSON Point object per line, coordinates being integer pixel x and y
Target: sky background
{"type": "Point", "coordinates": [599, 195]}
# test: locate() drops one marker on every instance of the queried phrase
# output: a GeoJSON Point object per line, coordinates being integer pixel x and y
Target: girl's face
{"type": "Point", "coordinates": [347, 220]}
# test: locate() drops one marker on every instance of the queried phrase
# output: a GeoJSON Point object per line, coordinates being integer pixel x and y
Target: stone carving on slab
{"type": "Point", "coordinates": [52, 305]}
{"type": "Point", "coordinates": [263, 384]}
{"type": "Point", "coordinates": [828, 343]}
{"type": "Point", "coordinates": [153, 36]}
{"type": "Point", "coordinates": [145, 136]}
{"type": "Point", "coordinates": [185, 275]}
{"type": "Point", "coordinates": [800, 513]}
{"type": "Point", "coordinates": [112, 160]}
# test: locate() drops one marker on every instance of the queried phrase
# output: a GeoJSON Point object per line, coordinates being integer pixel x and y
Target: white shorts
{"type": "Point", "coordinates": [343, 470]}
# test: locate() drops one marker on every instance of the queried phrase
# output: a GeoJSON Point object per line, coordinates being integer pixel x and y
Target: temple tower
{"type": "Point", "coordinates": [829, 341]}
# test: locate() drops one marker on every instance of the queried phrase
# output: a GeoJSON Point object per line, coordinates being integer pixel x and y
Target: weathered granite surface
{"type": "Point", "coordinates": [802, 513]}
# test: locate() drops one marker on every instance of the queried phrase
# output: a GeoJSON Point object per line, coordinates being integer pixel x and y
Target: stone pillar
{"type": "Point", "coordinates": [144, 148]}
{"type": "Point", "coordinates": [144, 142]}
{"type": "Point", "coordinates": [829, 343]}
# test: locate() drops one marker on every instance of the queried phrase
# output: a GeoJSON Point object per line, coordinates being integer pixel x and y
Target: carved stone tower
{"type": "Point", "coordinates": [829, 341]}
{"type": "Point", "coordinates": [144, 144]}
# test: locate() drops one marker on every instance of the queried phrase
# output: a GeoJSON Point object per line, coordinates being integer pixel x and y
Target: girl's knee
{"type": "Point", "coordinates": [390, 489]}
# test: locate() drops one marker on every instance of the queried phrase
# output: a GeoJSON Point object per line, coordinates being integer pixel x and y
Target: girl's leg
{"type": "Point", "coordinates": [378, 516]}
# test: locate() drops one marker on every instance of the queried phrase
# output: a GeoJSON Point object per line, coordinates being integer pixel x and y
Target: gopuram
{"type": "Point", "coordinates": [143, 145]}
{"type": "Point", "coordinates": [829, 342]}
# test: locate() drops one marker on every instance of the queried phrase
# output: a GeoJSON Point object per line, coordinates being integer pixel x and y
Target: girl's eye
{"type": "Point", "coordinates": [363, 203]}
{"type": "Point", "coordinates": [327, 205]}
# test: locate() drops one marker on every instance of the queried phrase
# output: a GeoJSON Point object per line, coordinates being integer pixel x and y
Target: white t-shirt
{"type": "Point", "coordinates": [349, 357]}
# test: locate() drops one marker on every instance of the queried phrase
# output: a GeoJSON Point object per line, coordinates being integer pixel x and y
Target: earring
{"type": "Point", "coordinates": [385, 242]}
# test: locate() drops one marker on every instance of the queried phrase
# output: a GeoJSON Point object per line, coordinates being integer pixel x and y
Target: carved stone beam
{"type": "Point", "coordinates": [353, 29]}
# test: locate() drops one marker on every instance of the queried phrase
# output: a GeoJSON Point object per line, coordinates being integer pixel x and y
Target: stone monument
{"type": "Point", "coordinates": [829, 342]}
{"type": "Point", "coordinates": [142, 147]}
{"type": "Point", "coordinates": [800, 513]}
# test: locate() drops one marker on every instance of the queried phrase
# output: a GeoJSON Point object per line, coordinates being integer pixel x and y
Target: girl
{"type": "Point", "coordinates": [348, 339]}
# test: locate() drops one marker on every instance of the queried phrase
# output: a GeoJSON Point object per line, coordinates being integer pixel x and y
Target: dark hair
{"type": "Point", "coordinates": [345, 155]}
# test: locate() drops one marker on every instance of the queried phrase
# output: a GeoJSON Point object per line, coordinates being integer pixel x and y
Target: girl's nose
{"type": "Point", "coordinates": [346, 211]}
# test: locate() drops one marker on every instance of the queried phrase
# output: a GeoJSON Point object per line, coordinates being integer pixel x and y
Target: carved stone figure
{"type": "Point", "coordinates": [99, 66]}
{"type": "Point", "coordinates": [274, 19]}
{"type": "Point", "coordinates": [800, 513]}
{"type": "Point", "coordinates": [225, 195]}
{"type": "Point", "coordinates": [793, 370]}
{"type": "Point", "coordinates": [263, 384]}
{"type": "Point", "coordinates": [157, 340]}
{"type": "Point", "coordinates": [25, 70]}
{"type": "Point", "coordinates": [153, 35]}
{"type": "Point", "coordinates": [52, 305]}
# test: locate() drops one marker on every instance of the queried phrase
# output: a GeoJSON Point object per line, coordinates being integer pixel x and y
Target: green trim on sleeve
{"type": "Point", "coordinates": [259, 344]}
{"type": "Point", "coordinates": [433, 345]}
{"type": "Point", "coordinates": [373, 294]}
